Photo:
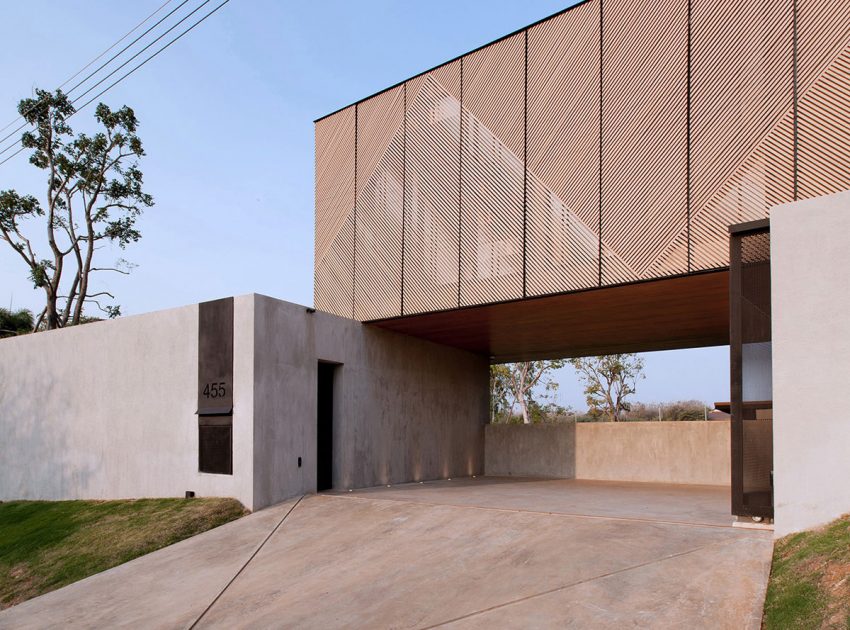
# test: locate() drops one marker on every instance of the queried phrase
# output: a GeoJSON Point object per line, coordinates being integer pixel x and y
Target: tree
{"type": "Point", "coordinates": [513, 384]}
{"type": "Point", "coordinates": [94, 195]}
{"type": "Point", "coordinates": [14, 323]}
{"type": "Point", "coordinates": [608, 381]}
{"type": "Point", "coordinates": [500, 391]}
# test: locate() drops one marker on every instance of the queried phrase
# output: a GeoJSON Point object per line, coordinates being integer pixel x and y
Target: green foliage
{"type": "Point", "coordinates": [609, 380]}
{"type": "Point", "coordinates": [500, 392]}
{"type": "Point", "coordinates": [527, 385]}
{"type": "Point", "coordinates": [94, 194]}
{"type": "Point", "coordinates": [15, 322]}
{"type": "Point", "coordinates": [810, 580]}
{"type": "Point", "coordinates": [47, 544]}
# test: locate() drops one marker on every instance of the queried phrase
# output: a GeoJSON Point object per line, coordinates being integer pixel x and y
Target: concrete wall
{"type": "Point", "coordinates": [662, 452]}
{"type": "Point", "coordinates": [534, 450]}
{"type": "Point", "coordinates": [107, 410]}
{"type": "Point", "coordinates": [405, 409]}
{"type": "Point", "coordinates": [810, 278]}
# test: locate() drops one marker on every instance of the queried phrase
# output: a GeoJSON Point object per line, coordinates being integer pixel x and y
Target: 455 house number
{"type": "Point", "coordinates": [215, 390]}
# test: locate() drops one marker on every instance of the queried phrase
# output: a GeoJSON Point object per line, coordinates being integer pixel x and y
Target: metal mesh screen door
{"type": "Point", "coordinates": [750, 363]}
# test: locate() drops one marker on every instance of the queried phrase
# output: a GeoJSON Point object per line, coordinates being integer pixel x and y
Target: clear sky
{"type": "Point", "coordinates": [226, 118]}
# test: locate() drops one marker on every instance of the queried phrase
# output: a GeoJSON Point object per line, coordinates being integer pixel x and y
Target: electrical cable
{"type": "Point", "coordinates": [110, 60]}
{"type": "Point", "coordinates": [116, 82]}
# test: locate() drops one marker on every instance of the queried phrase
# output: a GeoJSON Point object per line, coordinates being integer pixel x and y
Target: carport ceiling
{"type": "Point", "coordinates": [682, 312]}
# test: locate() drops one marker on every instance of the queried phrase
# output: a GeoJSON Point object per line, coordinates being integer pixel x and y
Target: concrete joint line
{"type": "Point", "coordinates": [247, 562]}
{"type": "Point", "coordinates": [577, 583]}
{"type": "Point", "coordinates": [597, 517]}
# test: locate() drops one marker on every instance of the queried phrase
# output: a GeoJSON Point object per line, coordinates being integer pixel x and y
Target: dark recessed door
{"type": "Point", "coordinates": [324, 427]}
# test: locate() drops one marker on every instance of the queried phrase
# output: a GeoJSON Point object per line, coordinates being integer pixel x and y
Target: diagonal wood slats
{"type": "Point", "coordinates": [562, 248]}
{"type": "Point", "coordinates": [334, 282]}
{"type": "Point", "coordinates": [644, 136]}
{"type": "Point", "coordinates": [431, 198]}
{"type": "Point", "coordinates": [380, 186]}
{"type": "Point", "coordinates": [741, 130]}
{"type": "Point", "coordinates": [334, 177]}
{"type": "Point", "coordinates": [448, 214]}
{"type": "Point", "coordinates": [492, 173]}
{"type": "Point", "coordinates": [824, 101]}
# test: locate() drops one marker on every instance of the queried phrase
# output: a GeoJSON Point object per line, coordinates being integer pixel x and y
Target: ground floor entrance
{"type": "Point", "coordinates": [466, 553]}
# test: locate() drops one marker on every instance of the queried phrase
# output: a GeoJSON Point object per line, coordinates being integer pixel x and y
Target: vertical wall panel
{"type": "Point", "coordinates": [644, 138]}
{"type": "Point", "coordinates": [824, 96]}
{"type": "Point", "coordinates": [334, 281]}
{"type": "Point", "coordinates": [431, 196]}
{"type": "Point", "coordinates": [562, 245]}
{"type": "Point", "coordinates": [334, 208]}
{"type": "Point", "coordinates": [492, 175]}
{"type": "Point", "coordinates": [380, 155]}
{"type": "Point", "coordinates": [741, 119]}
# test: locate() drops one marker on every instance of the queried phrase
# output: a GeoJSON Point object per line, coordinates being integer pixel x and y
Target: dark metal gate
{"type": "Point", "coordinates": [750, 364]}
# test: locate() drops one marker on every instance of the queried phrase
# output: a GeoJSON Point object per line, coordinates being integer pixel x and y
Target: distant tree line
{"type": "Point", "coordinates": [525, 392]}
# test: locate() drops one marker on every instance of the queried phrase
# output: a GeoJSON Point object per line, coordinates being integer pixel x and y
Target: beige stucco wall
{"type": "Point", "coordinates": [665, 452]}
{"type": "Point", "coordinates": [662, 452]}
{"type": "Point", "coordinates": [810, 278]}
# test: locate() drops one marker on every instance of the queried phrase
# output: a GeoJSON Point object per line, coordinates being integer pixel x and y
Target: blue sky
{"type": "Point", "coordinates": [226, 117]}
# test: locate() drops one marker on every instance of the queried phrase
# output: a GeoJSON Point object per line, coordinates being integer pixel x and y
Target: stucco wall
{"type": "Point", "coordinates": [810, 278]}
{"type": "Point", "coordinates": [663, 452]}
{"type": "Point", "coordinates": [107, 410]}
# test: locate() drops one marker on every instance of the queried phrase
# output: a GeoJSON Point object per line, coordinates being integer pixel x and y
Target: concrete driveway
{"type": "Point", "coordinates": [472, 553]}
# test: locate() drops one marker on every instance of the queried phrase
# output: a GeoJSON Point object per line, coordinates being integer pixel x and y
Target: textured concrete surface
{"type": "Point", "coordinates": [406, 409]}
{"type": "Point", "coordinates": [530, 450]}
{"type": "Point", "coordinates": [659, 452]}
{"type": "Point", "coordinates": [675, 503]}
{"type": "Point", "coordinates": [810, 283]}
{"type": "Point", "coordinates": [125, 425]}
{"type": "Point", "coordinates": [169, 588]}
{"type": "Point", "coordinates": [107, 410]}
{"type": "Point", "coordinates": [401, 558]}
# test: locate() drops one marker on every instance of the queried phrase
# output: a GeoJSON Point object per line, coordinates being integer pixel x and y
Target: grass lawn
{"type": "Point", "coordinates": [810, 580]}
{"type": "Point", "coordinates": [47, 544]}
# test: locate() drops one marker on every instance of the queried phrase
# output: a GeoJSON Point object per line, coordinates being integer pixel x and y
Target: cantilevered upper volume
{"type": "Point", "coordinates": [611, 143]}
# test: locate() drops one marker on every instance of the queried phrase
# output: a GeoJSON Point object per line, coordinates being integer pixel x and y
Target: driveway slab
{"type": "Point", "coordinates": [431, 555]}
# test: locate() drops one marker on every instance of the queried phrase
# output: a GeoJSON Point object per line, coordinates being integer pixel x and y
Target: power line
{"type": "Point", "coordinates": [111, 59]}
{"type": "Point", "coordinates": [116, 82]}
{"type": "Point", "coordinates": [183, 19]}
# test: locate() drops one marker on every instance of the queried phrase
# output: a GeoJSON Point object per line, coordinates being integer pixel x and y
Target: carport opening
{"type": "Point", "coordinates": [325, 426]}
{"type": "Point", "coordinates": [629, 418]}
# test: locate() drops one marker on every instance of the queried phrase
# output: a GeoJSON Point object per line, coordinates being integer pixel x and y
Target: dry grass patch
{"type": "Point", "coordinates": [45, 545]}
{"type": "Point", "coordinates": [810, 580]}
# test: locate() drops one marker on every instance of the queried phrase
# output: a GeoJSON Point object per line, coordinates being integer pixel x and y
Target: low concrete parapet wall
{"type": "Point", "coordinates": [532, 450]}
{"type": "Point", "coordinates": [665, 452]}
{"type": "Point", "coordinates": [662, 452]}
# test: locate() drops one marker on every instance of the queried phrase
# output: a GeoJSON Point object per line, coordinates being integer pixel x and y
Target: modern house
{"type": "Point", "coordinates": [622, 176]}
{"type": "Point", "coordinates": [570, 189]}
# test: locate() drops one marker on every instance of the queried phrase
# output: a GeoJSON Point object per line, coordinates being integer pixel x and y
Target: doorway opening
{"type": "Point", "coordinates": [325, 426]}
